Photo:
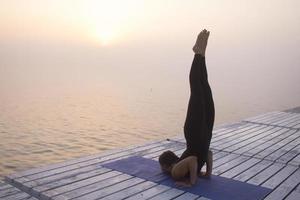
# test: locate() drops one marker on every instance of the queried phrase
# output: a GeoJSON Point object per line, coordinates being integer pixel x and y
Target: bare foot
{"type": "Point", "coordinates": [201, 43]}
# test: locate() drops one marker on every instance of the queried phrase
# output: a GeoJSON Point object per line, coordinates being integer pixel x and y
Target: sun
{"type": "Point", "coordinates": [110, 21]}
{"type": "Point", "coordinates": [106, 19]}
{"type": "Point", "coordinates": [105, 36]}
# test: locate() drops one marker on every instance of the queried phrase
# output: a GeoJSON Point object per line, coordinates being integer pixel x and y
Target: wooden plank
{"type": "Point", "coordinates": [263, 116]}
{"type": "Point", "coordinates": [36, 179]}
{"type": "Point", "coordinates": [169, 194]}
{"type": "Point", "coordinates": [229, 165]}
{"type": "Point", "coordinates": [64, 181]}
{"type": "Point", "coordinates": [286, 187]}
{"type": "Point", "coordinates": [219, 154]}
{"type": "Point", "coordinates": [288, 119]}
{"type": "Point", "coordinates": [237, 139]}
{"type": "Point", "coordinates": [175, 149]}
{"type": "Point", "coordinates": [268, 147]}
{"type": "Point", "coordinates": [283, 147]}
{"type": "Point", "coordinates": [216, 131]}
{"type": "Point", "coordinates": [243, 132]}
{"type": "Point", "coordinates": [266, 174]}
{"type": "Point", "coordinates": [253, 171]}
{"type": "Point", "coordinates": [37, 170]}
{"type": "Point", "coordinates": [146, 194]}
{"type": "Point", "coordinates": [234, 133]}
{"type": "Point", "coordinates": [289, 155]}
{"type": "Point", "coordinates": [240, 168]}
{"type": "Point", "coordinates": [262, 134]}
{"type": "Point", "coordinates": [69, 175]}
{"type": "Point", "coordinates": [295, 161]}
{"type": "Point", "coordinates": [279, 177]}
{"type": "Point", "coordinates": [231, 131]}
{"type": "Point", "coordinates": [27, 184]}
{"type": "Point", "coordinates": [53, 183]}
{"type": "Point", "coordinates": [110, 190]}
{"type": "Point", "coordinates": [225, 159]}
{"type": "Point", "coordinates": [225, 128]}
{"type": "Point", "coordinates": [18, 196]}
{"type": "Point", "coordinates": [186, 196]}
{"type": "Point", "coordinates": [285, 120]}
{"type": "Point", "coordinates": [297, 126]}
{"type": "Point", "coordinates": [283, 115]}
{"type": "Point", "coordinates": [179, 151]}
{"type": "Point", "coordinates": [4, 186]}
{"type": "Point", "coordinates": [233, 128]}
{"type": "Point", "coordinates": [82, 178]}
{"type": "Point", "coordinates": [216, 154]}
{"type": "Point", "coordinates": [2, 183]}
{"type": "Point", "coordinates": [223, 132]}
{"type": "Point", "coordinates": [294, 195]}
{"type": "Point", "coordinates": [95, 161]}
{"type": "Point", "coordinates": [130, 191]}
{"type": "Point", "coordinates": [171, 148]}
{"type": "Point", "coordinates": [294, 124]}
{"type": "Point", "coordinates": [9, 192]}
{"type": "Point", "coordinates": [254, 147]}
{"type": "Point", "coordinates": [251, 148]}
{"type": "Point", "coordinates": [85, 186]}
{"type": "Point", "coordinates": [269, 119]}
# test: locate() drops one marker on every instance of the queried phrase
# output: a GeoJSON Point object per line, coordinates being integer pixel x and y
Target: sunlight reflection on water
{"type": "Point", "coordinates": [51, 128]}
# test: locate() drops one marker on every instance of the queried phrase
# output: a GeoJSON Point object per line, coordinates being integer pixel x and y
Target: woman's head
{"type": "Point", "coordinates": [166, 160]}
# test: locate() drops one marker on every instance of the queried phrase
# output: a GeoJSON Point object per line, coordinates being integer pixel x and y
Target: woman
{"type": "Point", "coordinates": [198, 124]}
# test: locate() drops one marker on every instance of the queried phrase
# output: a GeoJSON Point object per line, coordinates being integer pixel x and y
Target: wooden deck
{"type": "Point", "coordinates": [262, 150]}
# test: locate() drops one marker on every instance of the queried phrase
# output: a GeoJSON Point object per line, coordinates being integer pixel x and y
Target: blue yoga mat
{"type": "Point", "coordinates": [216, 187]}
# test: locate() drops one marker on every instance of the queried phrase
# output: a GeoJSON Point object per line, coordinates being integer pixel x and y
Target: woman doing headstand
{"type": "Point", "coordinates": [198, 124]}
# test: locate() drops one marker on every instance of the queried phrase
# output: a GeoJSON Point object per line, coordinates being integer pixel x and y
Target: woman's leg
{"type": "Point", "coordinates": [200, 110]}
{"type": "Point", "coordinates": [195, 111]}
{"type": "Point", "coordinates": [200, 114]}
{"type": "Point", "coordinates": [200, 48]}
{"type": "Point", "coordinates": [198, 76]}
{"type": "Point", "coordinates": [196, 114]}
{"type": "Point", "coordinates": [209, 102]}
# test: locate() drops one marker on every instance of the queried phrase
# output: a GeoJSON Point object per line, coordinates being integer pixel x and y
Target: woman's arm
{"type": "Point", "coordinates": [193, 165]}
{"type": "Point", "coordinates": [209, 165]}
{"type": "Point", "coordinates": [187, 165]}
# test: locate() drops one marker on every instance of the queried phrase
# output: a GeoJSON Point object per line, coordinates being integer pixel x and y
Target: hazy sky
{"type": "Point", "coordinates": [254, 46]}
{"type": "Point", "coordinates": [118, 21]}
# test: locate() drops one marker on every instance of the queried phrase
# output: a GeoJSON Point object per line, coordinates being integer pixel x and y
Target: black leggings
{"type": "Point", "coordinates": [200, 113]}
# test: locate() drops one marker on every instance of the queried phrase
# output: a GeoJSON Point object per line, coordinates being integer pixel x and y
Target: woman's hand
{"type": "Point", "coordinates": [204, 175]}
{"type": "Point", "coordinates": [209, 164]}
